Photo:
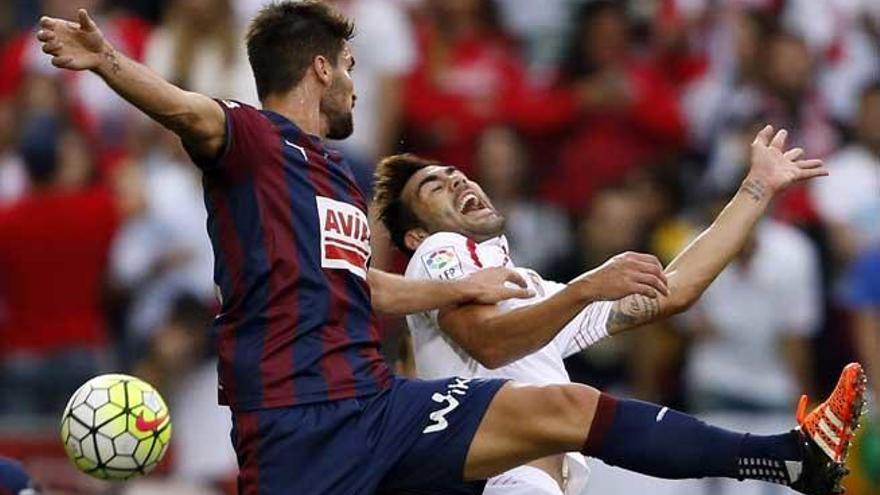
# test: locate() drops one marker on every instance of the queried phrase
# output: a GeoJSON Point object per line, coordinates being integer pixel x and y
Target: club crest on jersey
{"type": "Point", "coordinates": [443, 263]}
{"type": "Point", "coordinates": [345, 236]}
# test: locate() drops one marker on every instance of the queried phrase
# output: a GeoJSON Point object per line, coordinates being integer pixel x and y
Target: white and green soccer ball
{"type": "Point", "coordinates": [116, 427]}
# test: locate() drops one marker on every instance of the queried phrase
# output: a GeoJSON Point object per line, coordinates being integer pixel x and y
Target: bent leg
{"type": "Point", "coordinates": [527, 422]}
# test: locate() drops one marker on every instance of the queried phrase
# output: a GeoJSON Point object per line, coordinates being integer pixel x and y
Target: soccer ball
{"type": "Point", "coordinates": [116, 427]}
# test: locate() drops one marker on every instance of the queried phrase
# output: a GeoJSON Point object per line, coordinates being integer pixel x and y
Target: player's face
{"type": "Point", "coordinates": [444, 199]}
{"type": "Point", "coordinates": [338, 101]}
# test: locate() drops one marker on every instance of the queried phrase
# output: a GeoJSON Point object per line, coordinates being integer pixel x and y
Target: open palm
{"type": "Point", "coordinates": [73, 45]}
{"type": "Point", "coordinates": [777, 168]}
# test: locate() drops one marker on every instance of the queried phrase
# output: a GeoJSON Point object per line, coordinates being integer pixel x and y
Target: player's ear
{"type": "Point", "coordinates": [323, 69]}
{"type": "Point", "coordinates": [414, 237]}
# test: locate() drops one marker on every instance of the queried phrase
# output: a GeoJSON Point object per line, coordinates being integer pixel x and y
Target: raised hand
{"type": "Point", "coordinates": [625, 274]}
{"type": "Point", "coordinates": [74, 45]}
{"type": "Point", "coordinates": [773, 168]}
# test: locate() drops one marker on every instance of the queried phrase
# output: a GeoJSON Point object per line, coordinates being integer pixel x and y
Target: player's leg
{"type": "Point", "coordinates": [527, 422]}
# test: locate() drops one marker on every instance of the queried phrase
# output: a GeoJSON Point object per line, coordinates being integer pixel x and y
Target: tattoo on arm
{"type": "Point", "coordinates": [755, 189]}
{"type": "Point", "coordinates": [632, 311]}
{"type": "Point", "coordinates": [113, 59]}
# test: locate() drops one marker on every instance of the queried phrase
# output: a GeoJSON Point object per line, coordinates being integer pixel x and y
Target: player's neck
{"type": "Point", "coordinates": [302, 107]}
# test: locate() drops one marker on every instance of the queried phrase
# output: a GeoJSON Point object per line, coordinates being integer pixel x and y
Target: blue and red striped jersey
{"type": "Point", "coordinates": [289, 229]}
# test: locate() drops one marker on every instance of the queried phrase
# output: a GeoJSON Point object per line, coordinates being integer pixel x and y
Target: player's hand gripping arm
{"type": "Point", "coordinates": [690, 273]}
{"type": "Point", "coordinates": [197, 119]}
{"type": "Point", "coordinates": [395, 295]}
{"type": "Point", "coordinates": [495, 337]}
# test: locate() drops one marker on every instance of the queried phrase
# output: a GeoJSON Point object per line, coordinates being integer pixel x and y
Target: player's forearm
{"type": "Point", "coordinates": [396, 295]}
{"type": "Point", "coordinates": [498, 338]}
{"type": "Point", "coordinates": [194, 117]}
{"type": "Point", "coordinates": [691, 272]}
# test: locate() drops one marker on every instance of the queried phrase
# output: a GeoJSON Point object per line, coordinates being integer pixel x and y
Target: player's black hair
{"type": "Point", "coordinates": [391, 177]}
{"type": "Point", "coordinates": [285, 37]}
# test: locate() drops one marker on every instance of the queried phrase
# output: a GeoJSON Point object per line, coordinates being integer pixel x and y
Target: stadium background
{"type": "Point", "coordinates": [596, 127]}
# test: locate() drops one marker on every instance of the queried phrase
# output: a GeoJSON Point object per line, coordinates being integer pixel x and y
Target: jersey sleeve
{"type": "Point", "coordinates": [585, 329]}
{"type": "Point", "coordinates": [246, 133]}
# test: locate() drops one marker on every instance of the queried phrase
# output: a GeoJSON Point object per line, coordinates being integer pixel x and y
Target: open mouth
{"type": "Point", "coordinates": [469, 203]}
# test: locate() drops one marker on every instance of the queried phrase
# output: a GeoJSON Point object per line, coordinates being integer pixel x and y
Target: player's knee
{"type": "Point", "coordinates": [573, 397]}
{"type": "Point", "coordinates": [571, 403]}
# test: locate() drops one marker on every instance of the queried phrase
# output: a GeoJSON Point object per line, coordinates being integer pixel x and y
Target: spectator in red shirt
{"type": "Point", "coordinates": [469, 76]}
{"type": "Point", "coordinates": [54, 245]}
{"type": "Point", "coordinates": [96, 108]}
{"type": "Point", "coordinates": [628, 114]}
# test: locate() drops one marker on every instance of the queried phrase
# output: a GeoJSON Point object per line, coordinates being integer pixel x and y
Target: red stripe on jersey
{"type": "Point", "coordinates": [350, 245]}
{"type": "Point", "coordinates": [247, 446]}
{"type": "Point", "coordinates": [336, 252]}
{"type": "Point", "coordinates": [335, 367]}
{"type": "Point", "coordinates": [472, 249]}
{"type": "Point", "coordinates": [378, 367]}
{"type": "Point", "coordinates": [233, 260]}
{"type": "Point", "coordinates": [282, 309]}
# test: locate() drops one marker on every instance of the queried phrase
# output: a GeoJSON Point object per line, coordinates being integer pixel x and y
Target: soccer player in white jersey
{"type": "Point", "coordinates": [449, 255]}
{"type": "Point", "coordinates": [449, 228]}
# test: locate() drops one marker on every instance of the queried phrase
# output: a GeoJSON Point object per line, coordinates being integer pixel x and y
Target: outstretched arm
{"type": "Point", "coordinates": [395, 295]}
{"type": "Point", "coordinates": [197, 119]}
{"type": "Point", "coordinates": [691, 272]}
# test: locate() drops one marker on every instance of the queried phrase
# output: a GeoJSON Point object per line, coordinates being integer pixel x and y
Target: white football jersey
{"type": "Point", "coordinates": [449, 256]}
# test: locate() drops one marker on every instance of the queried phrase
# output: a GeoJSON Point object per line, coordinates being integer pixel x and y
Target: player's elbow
{"type": "Point", "coordinates": [490, 360]}
{"type": "Point", "coordinates": [186, 124]}
{"type": "Point", "coordinates": [492, 356]}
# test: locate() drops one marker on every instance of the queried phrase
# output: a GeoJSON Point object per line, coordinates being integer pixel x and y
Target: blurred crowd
{"type": "Point", "coordinates": [595, 126]}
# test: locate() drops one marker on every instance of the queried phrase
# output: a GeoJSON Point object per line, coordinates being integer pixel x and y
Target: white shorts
{"type": "Point", "coordinates": [524, 480]}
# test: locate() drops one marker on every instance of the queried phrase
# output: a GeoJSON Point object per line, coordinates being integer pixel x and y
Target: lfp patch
{"type": "Point", "coordinates": [443, 263]}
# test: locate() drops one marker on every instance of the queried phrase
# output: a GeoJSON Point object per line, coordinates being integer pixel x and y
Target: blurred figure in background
{"type": "Point", "coordinates": [181, 364]}
{"type": "Point", "coordinates": [93, 106]}
{"type": "Point", "coordinates": [757, 361]}
{"type": "Point", "coordinates": [538, 233]}
{"type": "Point", "coordinates": [861, 294]}
{"type": "Point", "coordinates": [13, 179]}
{"type": "Point", "coordinates": [845, 36]}
{"type": "Point", "coordinates": [469, 76]}
{"type": "Point", "coordinates": [627, 112]}
{"type": "Point", "coordinates": [385, 54]}
{"type": "Point", "coordinates": [198, 47]}
{"type": "Point", "coordinates": [54, 247]}
{"type": "Point", "coordinates": [611, 225]}
{"type": "Point", "coordinates": [730, 87]}
{"type": "Point", "coordinates": [14, 480]}
{"type": "Point", "coordinates": [848, 201]}
{"type": "Point", "coordinates": [790, 95]}
{"type": "Point", "coordinates": [163, 253]}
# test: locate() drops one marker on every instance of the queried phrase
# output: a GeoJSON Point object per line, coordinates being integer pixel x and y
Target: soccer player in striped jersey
{"type": "Point", "coordinates": [315, 407]}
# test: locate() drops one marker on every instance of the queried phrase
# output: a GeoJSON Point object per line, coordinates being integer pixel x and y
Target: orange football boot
{"type": "Point", "coordinates": [827, 431]}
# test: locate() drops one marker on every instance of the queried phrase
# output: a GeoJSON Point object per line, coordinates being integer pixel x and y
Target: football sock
{"type": "Point", "coordinates": [664, 443]}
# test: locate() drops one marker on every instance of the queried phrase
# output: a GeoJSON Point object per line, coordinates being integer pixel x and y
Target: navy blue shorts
{"type": "Point", "coordinates": [412, 438]}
